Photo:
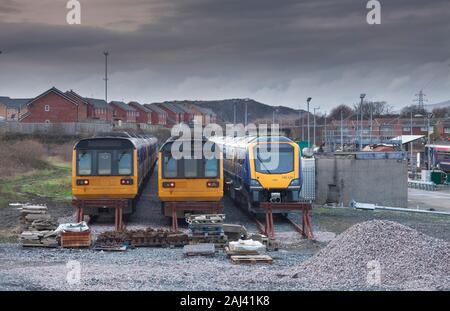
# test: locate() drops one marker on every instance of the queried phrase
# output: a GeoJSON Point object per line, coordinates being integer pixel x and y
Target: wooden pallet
{"type": "Point", "coordinates": [75, 239]}
{"type": "Point", "coordinates": [251, 259]}
{"type": "Point", "coordinates": [239, 253]}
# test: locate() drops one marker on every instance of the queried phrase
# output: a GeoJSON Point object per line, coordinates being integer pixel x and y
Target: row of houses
{"type": "Point", "coordinates": [54, 106]}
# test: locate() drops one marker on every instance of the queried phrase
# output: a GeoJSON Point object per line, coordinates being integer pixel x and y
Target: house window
{"type": "Point", "coordinates": [447, 130]}
{"type": "Point", "coordinates": [424, 129]}
{"type": "Point", "coordinates": [46, 108]}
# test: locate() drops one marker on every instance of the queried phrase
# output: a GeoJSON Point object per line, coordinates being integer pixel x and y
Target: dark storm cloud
{"type": "Point", "coordinates": [8, 6]}
{"type": "Point", "coordinates": [274, 51]}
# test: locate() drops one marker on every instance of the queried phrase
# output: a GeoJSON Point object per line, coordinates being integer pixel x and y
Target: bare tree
{"type": "Point", "coordinates": [378, 108]}
{"type": "Point", "coordinates": [443, 112]}
{"type": "Point", "coordinates": [335, 113]}
{"type": "Point", "coordinates": [415, 109]}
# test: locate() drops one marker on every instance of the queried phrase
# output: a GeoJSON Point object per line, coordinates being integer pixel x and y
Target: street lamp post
{"type": "Point", "coordinates": [308, 100]}
{"type": "Point", "coordinates": [428, 116]}
{"type": "Point", "coordinates": [314, 141]}
{"type": "Point", "coordinates": [106, 53]}
{"type": "Point", "coordinates": [362, 96]}
{"type": "Point", "coordinates": [411, 144]}
{"type": "Point", "coordinates": [428, 139]}
{"type": "Point", "coordinates": [342, 131]}
{"type": "Point", "coordinates": [246, 114]}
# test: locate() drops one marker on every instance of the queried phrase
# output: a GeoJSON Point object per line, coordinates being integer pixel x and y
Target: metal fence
{"type": "Point", "coordinates": [55, 128]}
{"type": "Point", "coordinates": [73, 128]}
{"type": "Point", "coordinates": [308, 192]}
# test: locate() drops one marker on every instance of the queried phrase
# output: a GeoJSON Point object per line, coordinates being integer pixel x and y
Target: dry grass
{"type": "Point", "coordinates": [63, 151]}
{"type": "Point", "coordinates": [19, 157]}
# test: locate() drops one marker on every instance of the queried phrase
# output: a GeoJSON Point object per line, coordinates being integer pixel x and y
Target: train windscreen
{"type": "Point", "coordinates": [279, 160]}
{"type": "Point", "coordinates": [104, 163]}
{"type": "Point", "coordinates": [188, 167]}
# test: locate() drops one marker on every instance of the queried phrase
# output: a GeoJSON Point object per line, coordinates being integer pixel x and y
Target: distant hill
{"type": "Point", "coordinates": [256, 110]}
{"type": "Point", "coordinates": [438, 105]}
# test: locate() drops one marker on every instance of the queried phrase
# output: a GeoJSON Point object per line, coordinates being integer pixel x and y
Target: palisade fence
{"type": "Point", "coordinates": [73, 128]}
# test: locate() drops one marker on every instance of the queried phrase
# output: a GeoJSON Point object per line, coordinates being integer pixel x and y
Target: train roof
{"type": "Point", "coordinates": [243, 141]}
{"type": "Point", "coordinates": [134, 142]}
{"type": "Point", "coordinates": [175, 138]}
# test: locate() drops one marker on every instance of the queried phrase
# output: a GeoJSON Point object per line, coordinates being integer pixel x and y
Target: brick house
{"type": "Point", "coordinates": [144, 115]}
{"type": "Point", "coordinates": [158, 116]}
{"type": "Point", "coordinates": [3, 107]}
{"type": "Point", "coordinates": [398, 126]}
{"type": "Point", "coordinates": [187, 113]}
{"type": "Point", "coordinates": [205, 115]}
{"type": "Point", "coordinates": [443, 129]}
{"type": "Point", "coordinates": [54, 106]}
{"type": "Point", "coordinates": [12, 108]}
{"type": "Point", "coordinates": [174, 114]}
{"type": "Point", "coordinates": [101, 111]}
{"type": "Point", "coordinates": [98, 109]}
{"type": "Point", "coordinates": [123, 112]}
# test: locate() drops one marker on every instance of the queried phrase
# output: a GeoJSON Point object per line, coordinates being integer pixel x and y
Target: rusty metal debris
{"type": "Point", "coordinates": [144, 238]}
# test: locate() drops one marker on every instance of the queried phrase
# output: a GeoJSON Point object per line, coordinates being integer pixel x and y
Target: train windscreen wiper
{"type": "Point", "coordinates": [262, 163]}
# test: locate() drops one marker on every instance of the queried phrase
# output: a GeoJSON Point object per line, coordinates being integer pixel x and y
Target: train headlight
{"type": "Point", "coordinates": [168, 184]}
{"type": "Point", "coordinates": [126, 182]}
{"type": "Point", "coordinates": [82, 182]}
{"type": "Point", "coordinates": [212, 184]}
{"type": "Point", "coordinates": [254, 184]}
{"type": "Point", "coordinates": [295, 183]}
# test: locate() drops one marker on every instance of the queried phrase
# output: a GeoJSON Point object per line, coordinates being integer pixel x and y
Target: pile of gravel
{"type": "Point", "coordinates": [407, 260]}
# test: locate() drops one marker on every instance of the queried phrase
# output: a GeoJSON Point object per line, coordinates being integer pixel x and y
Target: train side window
{"type": "Point", "coordinates": [104, 163]}
{"type": "Point", "coordinates": [170, 167]}
{"type": "Point", "coordinates": [84, 163]}
{"type": "Point", "coordinates": [211, 168]}
{"type": "Point", "coordinates": [125, 163]}
{"type": "Point", "coordinates": [190, 168]}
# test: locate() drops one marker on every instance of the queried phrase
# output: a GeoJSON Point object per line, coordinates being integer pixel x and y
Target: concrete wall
{"type": "Point", "coordinates": [343, 178]}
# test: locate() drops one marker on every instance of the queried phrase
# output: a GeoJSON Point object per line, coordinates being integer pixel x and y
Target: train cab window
{"type": "Point", "coordinates": [104, 163]}
{"type": "Point", "coordinates": [190, 168]}
{"type": "Point", "coordinates": [170, 167]}
{"type": "Point", "coordinates": [125, 163]}
{"type": "Point", "coordinates": [211, 168]}
{"type": "Point", "coordinates": [84, 163]}
{"type": "Point", "coordinates": [273, 161]}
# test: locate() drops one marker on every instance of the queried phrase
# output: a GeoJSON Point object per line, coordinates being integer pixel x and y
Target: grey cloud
{"type": "Point", "coordinates": [259, 48]}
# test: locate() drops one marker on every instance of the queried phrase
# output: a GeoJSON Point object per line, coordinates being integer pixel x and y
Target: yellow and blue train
{"type": "Point", "coordinates": [261, 169]}
{"type": "Point", "coordinates": [189, 179]}
{"type": "Point", "coordinates": [112, 168]}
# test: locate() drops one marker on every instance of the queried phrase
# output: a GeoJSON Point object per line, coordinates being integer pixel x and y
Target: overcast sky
{"type": "Point", "coordinates": [275, 51]}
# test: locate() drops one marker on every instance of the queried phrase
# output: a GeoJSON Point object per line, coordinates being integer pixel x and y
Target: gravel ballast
{"type": "Point", "coordinates": [379, 254]}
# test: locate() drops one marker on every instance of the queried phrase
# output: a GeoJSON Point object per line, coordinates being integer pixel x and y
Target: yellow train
{"type": "Point", "coordinates": [261, 169]}
{"type": "Point", "coordinates": [189, 180]}
{"type": "Point", "coordinates": [111, 168]}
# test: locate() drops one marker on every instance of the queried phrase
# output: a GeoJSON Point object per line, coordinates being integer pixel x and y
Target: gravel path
{"type": "Point", "coordinates": [138, 269]}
